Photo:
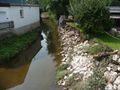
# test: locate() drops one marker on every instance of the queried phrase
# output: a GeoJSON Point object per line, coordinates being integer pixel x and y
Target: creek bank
{"type": "Point", "coordinates": [78, 64]}
{"type": "Point", "coordinates": [10, 47]}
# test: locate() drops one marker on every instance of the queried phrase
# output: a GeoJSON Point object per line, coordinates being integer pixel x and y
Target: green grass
{"type": "Point", "coordinates": [10, 47]}
{"type": "Point", "coordinates": [61, 71]}
{"type": "Point", "coordinates": [108, 40]}
{"type": "Point", "coordinates": [104, 38]}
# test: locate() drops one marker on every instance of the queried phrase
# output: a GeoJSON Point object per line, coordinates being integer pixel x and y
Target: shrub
{"type": "Point", "coordinates": [92, 15]}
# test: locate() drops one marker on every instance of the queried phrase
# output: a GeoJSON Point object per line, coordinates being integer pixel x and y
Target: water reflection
{"type": "Point", "coordinates": [35, 68]}
{"type": "Point", "coordinates": [53, 41]}
{"type": "Point", "coordinates": [14, 72]}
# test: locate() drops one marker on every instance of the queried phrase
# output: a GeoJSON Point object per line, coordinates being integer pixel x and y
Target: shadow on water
{"type": "Point", "coordinates": [34, 69]}
{"type": "Point", "coordinates": [14, 72]}
{"type": "Point", "coordinates": [53, 41]}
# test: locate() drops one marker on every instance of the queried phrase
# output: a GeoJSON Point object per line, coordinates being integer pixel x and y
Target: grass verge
{"type": "Point", "coordinates": [12, 46]}
{"type": "Point", "coordinates": [104, 38]}
{"type": "Point", "coordinates": [108, 40]}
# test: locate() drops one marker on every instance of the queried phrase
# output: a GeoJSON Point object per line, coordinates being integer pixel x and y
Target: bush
{"type": "Point", "coordinates": [92, 15]}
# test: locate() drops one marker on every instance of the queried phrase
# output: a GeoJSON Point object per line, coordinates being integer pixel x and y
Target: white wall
{"type": "Point", "coordinates": [4, 14]}
{"type": "Point", "coordinates": [31, 15]}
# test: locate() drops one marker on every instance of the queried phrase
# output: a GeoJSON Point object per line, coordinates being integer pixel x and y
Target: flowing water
{"type": "Point", "coordinates": [34, 69]}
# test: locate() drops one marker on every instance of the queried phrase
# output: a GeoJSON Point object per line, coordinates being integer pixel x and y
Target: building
{"type": "Point", "coordinates": [115, 14]}
{"type": "Point", "coordinates": [18, 17]}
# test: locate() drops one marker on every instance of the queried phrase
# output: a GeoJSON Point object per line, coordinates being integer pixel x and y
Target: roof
{"type": "Point", "coordinates": [13, 1]}
{"type": "Point", "coordinates": [25, 5]}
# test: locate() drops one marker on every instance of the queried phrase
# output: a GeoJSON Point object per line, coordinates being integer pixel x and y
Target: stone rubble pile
{"type": "Point", "coordinates": [112, 74]}
{"type": "Point", "coordinates": [80, 63]}
{"type": "Point", "coordinates": [116, 58]}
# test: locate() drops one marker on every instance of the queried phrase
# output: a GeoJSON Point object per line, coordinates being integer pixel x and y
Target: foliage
{"type": "Point", "coordinates": [61, 74]}
{"type": "Point", "coordinates": [62, 67]}
{"type": "Point", "coordinates": [61, 71]}
{"type": "Point", "coordinates": [108, 40]}
{"type": "Point", "coordinates": [42, 3]}
{"type": "Point", "coordinates": [59, 7]}
{"type": "Point", "coordinates": [10, 47]}
{"type": "Point", "coordinates": [92, 15]}
{"type": "Point", "coordinates": [75, 25]}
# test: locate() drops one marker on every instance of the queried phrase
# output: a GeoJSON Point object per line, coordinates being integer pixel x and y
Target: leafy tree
{"type": "Point", "coordinates": [92, 15]}
{"type": "Point", "coordinates": [42, 3]}
{"type": "Point", "coordinates": [59, 7]}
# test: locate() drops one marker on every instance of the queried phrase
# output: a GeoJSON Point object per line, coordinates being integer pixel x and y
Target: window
{"type": "Point", "coordinates": [21, 13]}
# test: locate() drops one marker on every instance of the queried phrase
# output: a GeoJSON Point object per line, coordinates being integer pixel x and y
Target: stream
{"type": "Point", "coordinates": [35, 68]}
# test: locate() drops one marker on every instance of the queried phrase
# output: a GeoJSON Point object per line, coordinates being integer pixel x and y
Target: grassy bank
{"type": "Point", "coordinates": [10, 47]}
{"type": "Point", "coordinates": [108, 40]}
{"type": "Point", "coordinates": [103, 38]}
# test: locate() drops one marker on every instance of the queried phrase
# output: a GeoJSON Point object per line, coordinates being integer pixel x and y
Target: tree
{"type": "Point", "coordinates": [42, 3]}
{"type": "Point", "coordinates": [59, 7]}
{"type": "Point", "coordinates": [92, 15]}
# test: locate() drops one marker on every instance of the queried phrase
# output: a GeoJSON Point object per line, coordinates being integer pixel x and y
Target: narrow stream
{"type": "Point", "coordinates": [35, 68]}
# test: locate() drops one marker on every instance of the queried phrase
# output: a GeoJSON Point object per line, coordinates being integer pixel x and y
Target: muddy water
{"type": "Point", "coordinates": [34, 69]}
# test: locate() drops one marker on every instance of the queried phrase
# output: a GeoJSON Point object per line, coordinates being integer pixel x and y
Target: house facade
{"type": "Point", "coordinates": [18, 17]}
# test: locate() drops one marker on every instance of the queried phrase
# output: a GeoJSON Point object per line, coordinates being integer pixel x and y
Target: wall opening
{"type": "Point", "coordinates": [21, 13]}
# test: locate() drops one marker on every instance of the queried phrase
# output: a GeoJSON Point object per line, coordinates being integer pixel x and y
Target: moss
{"type": "Point", "coordinates": [61, 71]}
{"type": "Point", "coordinates": [12, 46]}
